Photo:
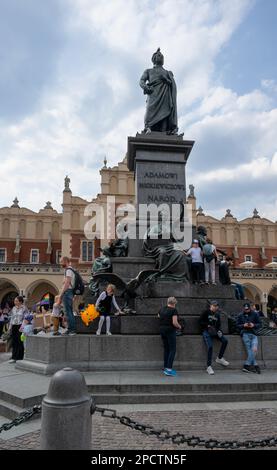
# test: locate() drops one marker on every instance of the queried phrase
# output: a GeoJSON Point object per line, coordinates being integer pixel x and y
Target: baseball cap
{"type": "Point", "coordinates": [246, 305]}
{"type": "Point", "coordinates": [195, 241]}
{"type": "Point", "coordinates": [214, 302]}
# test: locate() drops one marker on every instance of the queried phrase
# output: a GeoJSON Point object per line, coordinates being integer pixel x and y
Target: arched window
{"type": "Point", "coordinates": [55, 230]}
{"type": "Point", "coordinates": [113, 185]}
{"type": "Point", "coordinates": [250, 234]}
{"type": "Point", "coordinates": [237, 235]}
{"type": "Point", "coordinates": [265, 236]}
{"type": "Point", "coordinates": [22, 228]}
{"type": "Point", "coordinates": [87, 250]}
{"type": "Point", "coordinates": [39, 229]}
{"type": "Point", "coordinates": [209, 233]}
{"type": "Point", "coordinates": [223, 236]}
{"type": "Point", "coordinates": [6, 228]}
{"type": "Point", "coordinates": [130, 186]}
{"type": "Point", "coordinates": [75, 221]}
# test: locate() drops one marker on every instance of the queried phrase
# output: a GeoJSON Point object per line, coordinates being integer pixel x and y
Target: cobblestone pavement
{"type": "Point", "coordinates": [225, 425]}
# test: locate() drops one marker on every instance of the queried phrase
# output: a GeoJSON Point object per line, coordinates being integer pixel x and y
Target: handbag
{"type": "Point", "coordinates": [7, 335]}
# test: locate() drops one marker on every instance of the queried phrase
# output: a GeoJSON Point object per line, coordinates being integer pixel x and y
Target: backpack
{"type": "Point", "coordinates": [208, 252]}
{"type": "Point", "coordinates": [79, 286]}
{"type": "Point", "coordinates": [208, 249]}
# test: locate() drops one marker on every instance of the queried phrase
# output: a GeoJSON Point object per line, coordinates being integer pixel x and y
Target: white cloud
{"type": "Point", "coordinates": [269, 85]}
{"type": "Point", "coordinates": [95, 102]}
{"type": "Point", "coordinates": [260, 168]}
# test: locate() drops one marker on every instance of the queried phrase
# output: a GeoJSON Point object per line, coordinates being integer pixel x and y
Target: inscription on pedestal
{"type": "Point", "coordinates": [160, 186]}
{"type": "Point", "coordinates": [160, 183]}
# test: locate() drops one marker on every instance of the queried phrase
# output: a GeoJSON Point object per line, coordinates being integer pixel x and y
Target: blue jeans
{"type": "Point", "coordinates": [209, 343]}
{"type": "Point", "coordinates": [250, 342]}
{"type": "Point", "coordinates": [68, 309]}
{"type": "Point", "coordinates": [169, 342]}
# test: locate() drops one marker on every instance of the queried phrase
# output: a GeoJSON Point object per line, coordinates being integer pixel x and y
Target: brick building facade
{"type": "Point", "coordinates": [31, 242]}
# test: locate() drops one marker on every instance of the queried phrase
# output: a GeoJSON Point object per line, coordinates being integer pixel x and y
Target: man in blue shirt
{"type": "Point", "coordinates": [248, 321]}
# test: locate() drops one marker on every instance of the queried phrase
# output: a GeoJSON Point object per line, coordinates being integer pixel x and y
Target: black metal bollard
{"type": "Point", "coordinates": [66, 417]}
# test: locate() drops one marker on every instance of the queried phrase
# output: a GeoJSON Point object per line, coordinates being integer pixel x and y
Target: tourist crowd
{"type": "Point", "coordinates": [17, 322]}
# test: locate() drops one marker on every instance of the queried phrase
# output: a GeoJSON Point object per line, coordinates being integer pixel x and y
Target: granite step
{"type": "Point", "coordinates": [196, 397]}
{"type": "Point", "coordinates": [9, 410]}
{"type": "Point", "coordinates": [144, 325]}
{"type": "Point", "coordinates": [187, 306]}
{"type": "Point", "coordinates": [20, 402]}
{"type": "Point", "coordinates": [172, 387]}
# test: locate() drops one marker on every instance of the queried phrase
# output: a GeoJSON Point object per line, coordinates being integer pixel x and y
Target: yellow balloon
{"type": "Point", "coordinates": [89, 314]}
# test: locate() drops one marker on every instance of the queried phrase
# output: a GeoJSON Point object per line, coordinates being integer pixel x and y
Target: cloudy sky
{"type": "Point", "coordinates": [69, 95]}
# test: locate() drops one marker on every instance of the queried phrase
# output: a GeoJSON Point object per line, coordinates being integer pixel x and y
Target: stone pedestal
{"type": "Point", "coordinates": [47, 354]}
{"type": "Point", "coordinates": [159, 164]}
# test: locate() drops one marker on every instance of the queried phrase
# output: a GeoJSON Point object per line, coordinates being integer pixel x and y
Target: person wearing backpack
{"type": "Point", "coordinates": [210, 256]}
{"type": "Point", "coordinates": [72, 285]}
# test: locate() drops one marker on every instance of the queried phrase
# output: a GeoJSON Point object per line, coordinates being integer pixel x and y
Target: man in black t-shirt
{"type": "Point", "coordinates": [168, 325]}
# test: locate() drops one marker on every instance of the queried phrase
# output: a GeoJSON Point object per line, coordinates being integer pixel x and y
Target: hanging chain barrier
{"type": "Point", "coordinates": [179, 438]}
{"type": "Point", "coordinates": [21, 418]}
{"type": "Point", "coordinates": [161, 434]}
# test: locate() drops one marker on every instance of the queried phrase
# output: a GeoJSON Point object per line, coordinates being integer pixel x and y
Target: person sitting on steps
{"type": "Point", "coordinates": [210, 325]}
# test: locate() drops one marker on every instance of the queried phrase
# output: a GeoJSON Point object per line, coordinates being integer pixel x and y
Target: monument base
{"type": "Point", "coordinates": [47, 354]}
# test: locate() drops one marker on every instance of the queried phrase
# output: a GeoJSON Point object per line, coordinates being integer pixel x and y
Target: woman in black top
{"type": "Point", "coordinates": [168, 324]}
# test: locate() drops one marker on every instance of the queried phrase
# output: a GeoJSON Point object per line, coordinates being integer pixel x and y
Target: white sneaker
{"type": "Point", "coordinates": [210, 370]}
{"type": "Point", "coordinates": [12, 361]}
{"type": "Point", "coordinates": [222, 361]}
{"type": "Point", "coordinates": [109, 333]}
{"type": "Point", "coordinates": [98, 333]}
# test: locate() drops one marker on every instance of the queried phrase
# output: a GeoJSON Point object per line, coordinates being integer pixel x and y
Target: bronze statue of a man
{"type": "Point", "coordinates": [161, 107]}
